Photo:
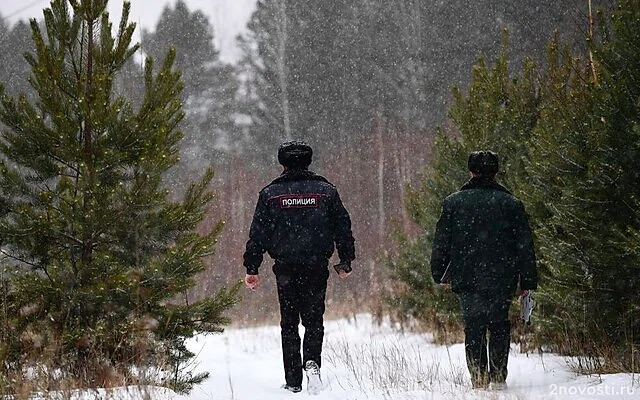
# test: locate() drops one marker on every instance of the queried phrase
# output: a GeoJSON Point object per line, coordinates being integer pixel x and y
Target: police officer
{"type": "Point", "coordinates": [299, 220]}
{"type": "Point", "coordinates": [483, 246]}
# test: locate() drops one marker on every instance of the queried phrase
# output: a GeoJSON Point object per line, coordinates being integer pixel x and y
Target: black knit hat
{"type": "Point", "coordinates": [295, 154]}
{"type": "Point", "coordinates": [483, 162]}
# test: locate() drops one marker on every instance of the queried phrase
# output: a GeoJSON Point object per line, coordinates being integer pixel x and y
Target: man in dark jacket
{"type": "Point", "coordinates": [483, 247]}
{"type": "Point", "coordinates": [299, 220]}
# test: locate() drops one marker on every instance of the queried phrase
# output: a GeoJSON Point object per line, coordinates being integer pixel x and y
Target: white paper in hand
{"type": "Point", "coordinates": [527, 304]}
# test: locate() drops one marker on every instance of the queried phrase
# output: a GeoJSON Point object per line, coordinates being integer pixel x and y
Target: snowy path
{"type": "Point", "coordinates": [364, 361]}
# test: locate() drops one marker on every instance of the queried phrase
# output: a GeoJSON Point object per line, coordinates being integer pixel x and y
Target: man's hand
{"type": "Point", "coordinates": [343, 274]}
{"type": "Point", "coordinates": [252, 281]}
{"type": "Point", "coordinates": [343, 269]}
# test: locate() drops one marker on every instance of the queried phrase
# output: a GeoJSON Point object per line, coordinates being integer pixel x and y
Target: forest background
{"type": "Point", "coordinates": [391, 96]}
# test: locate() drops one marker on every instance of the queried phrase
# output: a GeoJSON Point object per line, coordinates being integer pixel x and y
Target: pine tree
{"type": "Point", "coordinates": [267, 78]}
{"type": "Point", "coordinates": [14, 70]}
{"type": "Point", "coordinates": [564, 108]}
{"type": "Point", "coordinates": [192, 35]}
{"type": "Point", "coordinates": [584, 156]}
{"type": "Point", "coordinates": [210, 85]}
{"type": "Point", "coordinates": [97, 257]}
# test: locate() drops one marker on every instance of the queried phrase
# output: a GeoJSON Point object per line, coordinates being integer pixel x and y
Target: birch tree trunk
{"type": "Point", "coordinates": [381, 211]}
{"type": "Point", "coordinates": [282, 68]}
{"type": "Point", "coordinates": [399, 158]}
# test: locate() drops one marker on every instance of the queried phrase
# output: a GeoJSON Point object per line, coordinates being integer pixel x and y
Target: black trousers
{"type": "Point", "coordinates": [301, 293]}
{"type": "Point", "coordinates": [483, 314]}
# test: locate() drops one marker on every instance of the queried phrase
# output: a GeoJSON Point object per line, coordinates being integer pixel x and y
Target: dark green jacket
{"type": "Point", "coordinates": [483, 241]}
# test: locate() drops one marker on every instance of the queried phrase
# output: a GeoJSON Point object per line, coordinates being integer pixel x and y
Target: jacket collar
{"type": "Point", "coordinates": [483, 182]}
{"type": "Point", "coordinates": [298, 174]}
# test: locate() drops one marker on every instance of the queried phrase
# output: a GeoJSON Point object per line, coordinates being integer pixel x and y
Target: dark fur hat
{"type": "Point", "coordinates": [483, 163]}
{"type": "Point", "coordinates": [295, 154]}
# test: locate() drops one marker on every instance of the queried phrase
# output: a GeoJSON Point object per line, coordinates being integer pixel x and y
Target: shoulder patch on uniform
{"type": "Point", "coordinates": [309, 200]}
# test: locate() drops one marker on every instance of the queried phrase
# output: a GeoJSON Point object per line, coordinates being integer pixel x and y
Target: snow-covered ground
{"type": "Point", "coordinates": [365, 361]}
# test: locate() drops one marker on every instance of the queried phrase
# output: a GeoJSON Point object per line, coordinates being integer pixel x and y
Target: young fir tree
{"type": "Point", "coordinates": [497, 113]}
{"type": "Point", "coordinates": [584, 157]}
{"type": "Point", "coordinates": [564, 108]}
{"type": "Point", "coordinates": [96, 256]}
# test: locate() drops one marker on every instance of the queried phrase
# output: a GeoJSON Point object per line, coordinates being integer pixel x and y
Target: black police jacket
{"type": "Point", "coordinates": [299, 219]}
{"type": "Point", "coordinates": [483, 242]}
